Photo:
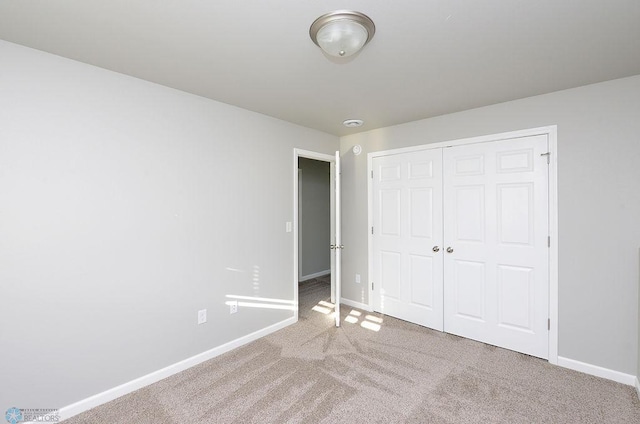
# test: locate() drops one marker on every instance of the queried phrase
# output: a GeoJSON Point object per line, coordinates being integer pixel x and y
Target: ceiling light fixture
{"type": "Point", "coordinates": [342, 33]}
{"type": "Point", "coordinates": [353, 123]}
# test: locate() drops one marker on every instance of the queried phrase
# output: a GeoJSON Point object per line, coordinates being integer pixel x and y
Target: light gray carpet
{"type": "Point", "coordinates": [312, 372]}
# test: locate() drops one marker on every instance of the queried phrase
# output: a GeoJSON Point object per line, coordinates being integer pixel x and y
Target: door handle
{"type": "Point", "coordinates": [332, 246]}
{"type": "Point", "coordinates": [436, 249]}
{"type": "Point", "coordinates": [449, 249]}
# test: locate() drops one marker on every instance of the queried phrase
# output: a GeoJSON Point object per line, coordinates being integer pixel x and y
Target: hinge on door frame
{"type": "Point", "coordinates": [372, 174]}
{"type": "Point", "coordinates": [371, 230]}
{"type": "Point", "coordinates": [548, 155]}
{"type": "Point", "coordinates": [548, 241]}
{"type": "Point", "coordinates": [548, 323]}
{"type": "Point", "coordinates": [372, 285]}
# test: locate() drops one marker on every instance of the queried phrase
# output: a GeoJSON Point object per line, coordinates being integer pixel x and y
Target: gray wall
{"type": "Point", "coordinates": [315, 224]}
{"type": "Point", "coordinates": [124, 208]}
{"type": "Point", "coordinates": [599, 206]}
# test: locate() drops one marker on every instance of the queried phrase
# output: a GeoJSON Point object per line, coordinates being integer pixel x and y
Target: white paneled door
{"type": "Point", "coordinates": [460, 241]}
{"type": "Point", "coordinates": [496, 246]}
{"type": "Point", "coordinates": [407, 239]}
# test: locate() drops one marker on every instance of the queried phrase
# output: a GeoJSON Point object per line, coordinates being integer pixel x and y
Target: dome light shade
{"type": "Point", "coordinates": [342, 38]}
{"type": "Point", "coordinates": [342, 33]}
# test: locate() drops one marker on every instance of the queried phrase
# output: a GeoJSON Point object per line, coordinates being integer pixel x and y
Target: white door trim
{"type": "Point", "coordinates": [551, 132]}
{"type": "Point", "coordinates": [336, 278]}
{"type": "Point", "coordinates": [300, 153]}
{"type": "Point", "coordinates": [300, 233]}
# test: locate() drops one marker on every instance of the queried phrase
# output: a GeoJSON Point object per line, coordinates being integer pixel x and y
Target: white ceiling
{"type": "Point", "coordinates": [428, 57]}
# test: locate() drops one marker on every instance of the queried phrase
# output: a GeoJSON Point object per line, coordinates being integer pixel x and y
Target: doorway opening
{"type": "Point", "coordinates": [314, 232]}
{"type": "Point", "coordinates": [314, 219]}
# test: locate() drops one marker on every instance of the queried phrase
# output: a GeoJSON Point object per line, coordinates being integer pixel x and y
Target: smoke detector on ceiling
{"type": "Point", "coordinates": [353, 123]}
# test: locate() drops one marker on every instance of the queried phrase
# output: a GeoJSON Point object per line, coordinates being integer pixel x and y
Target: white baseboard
{"type": "Point", "coordinates": [355, 304]}
{"type": "Point", "coordinates": [617, 376]}
{"type": "Point", "coordinates": [133, 385]}
{"type": "Point", "coordinates": [638, 387]}
{"type": "Point", "coordinates": [315, 275]}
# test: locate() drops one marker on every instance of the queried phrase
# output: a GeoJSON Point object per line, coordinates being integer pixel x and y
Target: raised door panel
{"type": "Point", "coordinates": [420, 213]}
{"type": "Point", "coordinates": [515, 214]}
{"type": "Point", "coordinates": [390, 274]}
{"type": "Point", "coordinates": [470, 290]}
{"type": "Point", "coordinates": [469, 211]}
{"type": "Point", "coordinates": [421, 271]}
{"type": "Point", "coordinates": [516, 303]}
{"type": "Point", "coordinates": [390, 212]}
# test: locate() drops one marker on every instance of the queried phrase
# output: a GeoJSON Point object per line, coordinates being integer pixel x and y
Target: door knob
{"type": "Point", "coordinates": [332, 247]}
{"type": "Point", "coordinates": [449, 249]}
{"type": "Point", "coordinates": [436, 249]}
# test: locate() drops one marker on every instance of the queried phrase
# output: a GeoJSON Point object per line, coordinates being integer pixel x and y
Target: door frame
{"type": "Point", "coordinates": [323, 157]}
{"type": "Point", "coordinates": [551, 133]}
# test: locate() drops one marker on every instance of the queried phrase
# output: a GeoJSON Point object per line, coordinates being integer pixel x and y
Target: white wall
{"type": "Point", "coordinates": [124, 208]}
{"type": "Point", "coordinates": [599, 206]}
{"type": "Point", "coordinates": [315, 225]}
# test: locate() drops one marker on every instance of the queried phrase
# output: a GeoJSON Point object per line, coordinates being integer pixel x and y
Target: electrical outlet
{"type": "Point", "coordinates": [233, 307]}
{"type": "Point", "coordinates": [202, 316]}
{"type": "Point", "coordinates": [358, 278]}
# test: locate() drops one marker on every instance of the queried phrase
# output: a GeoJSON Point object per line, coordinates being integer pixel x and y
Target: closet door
{"type": "Point", "coordinates": [407, 237]}
{"type": "Point", "coordinates": [496, 253]}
